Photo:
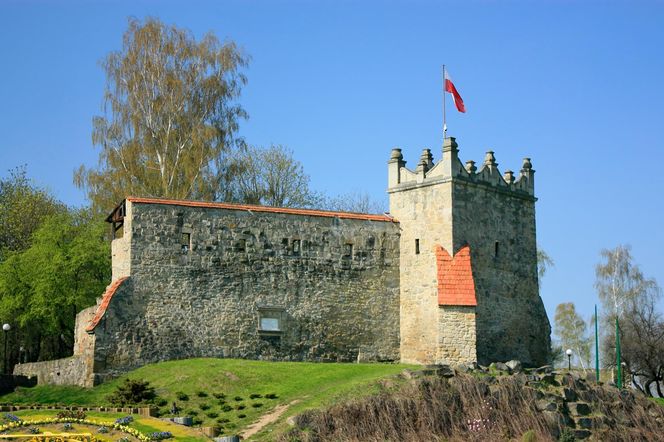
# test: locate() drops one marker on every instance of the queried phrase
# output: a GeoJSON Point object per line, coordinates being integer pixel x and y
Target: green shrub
{"type": "Point", "coordinates": [240, 407]}
{"type": "Point", "coordinates": [241, 415]}
{"type": "Point", "coordinates": [204, 407]}
{"type": "Point", "coordinates": [197, 421]}
{"type": "Point", "coordinates": [271, 396]}
{"type": "Point", "coordinates": [70, 414]}
{"type": "Point", "coordinates": [255, 396]}
{"type": "Point", "coordinates": [191, 413]}
{"type": "Point", "coordinates": [223, 420]}
{"type": "Point", "coordinates": [181, 396]}
{"type": "Point", "coordinates": [132, 392]}
{"type": "Point", "coordinates": [219, 395]}
{"type": "Point", "coordinates": [161, 402]}
{"type": "Point", "coordinates": [201, 394]}
{"type": "Point", "coordinates": [212, 414]}
{"type": "Point", "coordinates": [256, 405]}
{"type": "Point", "coordinates": [226, 408]}
{"type": "Point", "coordinates": [238, 398]}
{"type": "Point", "coordinates": [567, 435]}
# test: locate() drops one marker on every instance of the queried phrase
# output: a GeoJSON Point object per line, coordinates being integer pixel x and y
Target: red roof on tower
{"type": "Point", "coordinates": [456, 285]}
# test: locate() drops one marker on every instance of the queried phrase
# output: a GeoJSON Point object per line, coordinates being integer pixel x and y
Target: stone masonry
{"type": "Point", "coordinates": [449, 276]}
{"type": "Point", "coordinates": [449, 206]}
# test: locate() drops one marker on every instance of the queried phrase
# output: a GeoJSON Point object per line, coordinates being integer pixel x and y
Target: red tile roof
{"type": "Point", "coordinates": [253, 208]}
{"type": "Point", "coordinates": [456, 285]}
{"type": "Point", "coordinates": [105, 301]}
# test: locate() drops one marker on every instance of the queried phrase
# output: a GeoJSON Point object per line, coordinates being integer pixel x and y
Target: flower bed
{"type": "Point", "coordinates": [118, 425]}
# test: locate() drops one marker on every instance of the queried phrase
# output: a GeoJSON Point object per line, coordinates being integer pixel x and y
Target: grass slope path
{"type": "Point", "coordinates": [231, 393]}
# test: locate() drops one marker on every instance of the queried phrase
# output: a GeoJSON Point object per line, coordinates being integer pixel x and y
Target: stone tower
{"type": "Point", "coordinates": [468, 254]}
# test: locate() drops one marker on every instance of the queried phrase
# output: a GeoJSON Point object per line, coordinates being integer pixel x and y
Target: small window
{"type": "Point", "coordinates": [417, 246]}
{"type": "Point", "coordinates": [242, 245]}
{"type": "Point", "coordinates": [270, 324]}
{"type": "Point", "coordinates": [296, 247]}
{"type": "Point", "coordinates": [185, 242]}
{"type": "Point", "coordinates": [270, 320]}
{"type": "Point", "coordinates": [348, 250]}
{"type": "Point", "coordinates": [496, 249]}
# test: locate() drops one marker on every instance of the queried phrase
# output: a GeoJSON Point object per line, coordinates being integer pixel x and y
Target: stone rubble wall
{"type": "Point", "coordinates": [67, 371]}
{"type": "Point", "coordinates": [456, 334]}
{"type": "Point", "coordinates": [206, 301]}
{"type": "Point", "coordinates": [452, 205]}
{"type": "Point", "coordinates": [75, 370]}
{"type": "Point", "coordinates": [424, 215]}
{"type": "Point", "coordinates": [511, 320]}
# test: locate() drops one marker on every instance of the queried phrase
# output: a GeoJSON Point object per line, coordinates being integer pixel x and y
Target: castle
{"type": "Point", "coordinates": [449, 276]}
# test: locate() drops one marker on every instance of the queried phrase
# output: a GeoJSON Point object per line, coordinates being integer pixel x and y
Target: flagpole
{"type": "Point", "coordinates": [444, 116]}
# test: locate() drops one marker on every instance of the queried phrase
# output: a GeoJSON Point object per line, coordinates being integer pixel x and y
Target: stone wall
{"type": "Point", "coordinates": [202, 279]}
{"type": "Point", "coordinates": [500, 226]}
{"type": "Point", "coordinates": [67, 371]}
{"type": "Point", "coordinates": [75, 370]}
{"type": "Point", "coordinates": [426, 220]}
{"type": "Point", "coordinates": [457, 335]}
{"type": "Point", "coordinates": [453, 205]}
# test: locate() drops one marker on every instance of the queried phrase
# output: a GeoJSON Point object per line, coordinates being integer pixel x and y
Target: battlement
{"type": "Point", "coordinates": [450, 167]}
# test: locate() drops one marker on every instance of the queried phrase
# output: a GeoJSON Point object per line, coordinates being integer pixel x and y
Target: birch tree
{"type": "Point", "coordinates": [626, 294]}
{"type": "Point", "coordinates": [170, 117]}
{"type": "Point", "coordinates": [572, 332]}
{"type": "Point", "coordinates": [618, 280]}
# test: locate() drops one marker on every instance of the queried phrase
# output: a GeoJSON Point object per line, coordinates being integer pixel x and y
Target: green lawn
{"type": "Point", "coordinates": [659, 400]}
{"type": "Point", "coordinates": [311, 384]}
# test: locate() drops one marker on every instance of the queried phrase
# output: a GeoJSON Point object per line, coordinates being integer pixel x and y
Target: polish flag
{"type": "Point", "coordinates": [449, 87]}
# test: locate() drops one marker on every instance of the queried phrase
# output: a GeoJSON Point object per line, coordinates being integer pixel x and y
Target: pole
{"type": "Point", "coordinates": [596, 347]}
{"type": "Point", "coordinates": [569, 362]}
{"type": "Point", "coordinates": [4, 371]}
{"type": "Point", "coordinates": [619, 383]}
{"type": "Point", "coordinates": [444, 116]}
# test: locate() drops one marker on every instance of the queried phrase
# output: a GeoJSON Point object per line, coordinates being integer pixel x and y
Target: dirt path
{"type": "Point", "coordinates": [266, 419]}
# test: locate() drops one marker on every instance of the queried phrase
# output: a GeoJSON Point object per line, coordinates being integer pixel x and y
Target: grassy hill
{"type": "Point", "coordinates": [229, 392]}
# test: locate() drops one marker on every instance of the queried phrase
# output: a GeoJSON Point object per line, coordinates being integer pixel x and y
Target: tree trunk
{"type": "Point", "coordinates": [659, 388]}
{"type": "Point", "coordinates": [635, 382]}
{"type": "Point", "coordinates": [647, 387]}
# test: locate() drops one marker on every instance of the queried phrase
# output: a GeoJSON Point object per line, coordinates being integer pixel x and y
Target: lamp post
{"type": "Point", "coordinates": [569, 359]}
{"type": "Point", "coordinates": [6, 328]}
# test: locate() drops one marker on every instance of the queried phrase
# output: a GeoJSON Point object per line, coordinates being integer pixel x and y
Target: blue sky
{"type": "Point", "coordinates": [576, 86]}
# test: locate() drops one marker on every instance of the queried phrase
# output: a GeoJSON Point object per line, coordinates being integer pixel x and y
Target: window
{"type": "Point", "coordinates": [296, 247]}
{"type": "Point", "coordinates": [270, 320]}
{"type": "Point", "coordinates": [270, 324]}
{"type": "Point", "coordinates": [496, 249]}
{"type": "Point", "coordinates": [417, 246]}
{"type": "Point", "coordinates": [348, 250]}
{"type": "Point", "coordinates": [185, 242]}
{"type": "Point", "coordinates": [242, 245]}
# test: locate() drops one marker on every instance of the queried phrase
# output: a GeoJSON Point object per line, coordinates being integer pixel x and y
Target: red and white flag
{"type": "Point", "coordinates": [449, 87]}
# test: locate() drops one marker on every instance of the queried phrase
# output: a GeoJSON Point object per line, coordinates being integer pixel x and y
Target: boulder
{"type": "Point", "coordinates": [546, 405]}
{"type": "Point", "coordinates": [579, 408]}
{"type": "Point", "coordinates": [498, 366]}
{"type": "Point", "coordinates": [514, 366]}
{"type": "Point", "coordinates": [544, 369]}
{"type": "Point", "coordinates": [581, 434]}
{"type": "Point", "coordinates": [445, 371]}
{"type": "Point", "coordinates": [550, 379]}
{"type": "Point", "coordinates": [569, 394]}
{"type": "Point", "coordinates": [586, 423]}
